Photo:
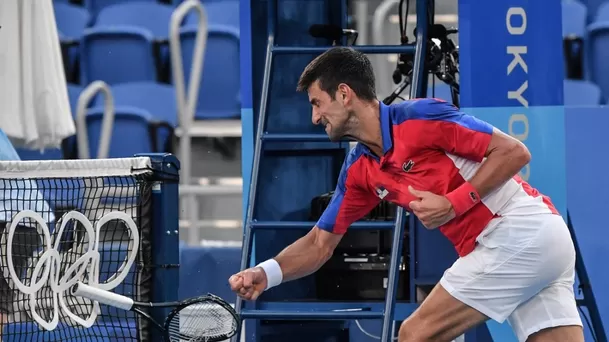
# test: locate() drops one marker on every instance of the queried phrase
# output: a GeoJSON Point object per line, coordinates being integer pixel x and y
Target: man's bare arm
{"type": "Point", "coordinates": [307, 254]}
{"type": "Point", "coordinates": [505, 157]}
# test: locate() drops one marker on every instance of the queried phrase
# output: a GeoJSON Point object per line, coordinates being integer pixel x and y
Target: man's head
{"type": "Point", "coordinates": [339, 82]}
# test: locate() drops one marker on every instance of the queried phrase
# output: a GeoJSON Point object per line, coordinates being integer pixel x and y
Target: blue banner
{"type": "Point", "coordinates": [512, 77]}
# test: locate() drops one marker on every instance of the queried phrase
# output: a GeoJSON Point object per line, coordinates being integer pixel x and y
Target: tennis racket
{"type": "Point", "coordinates": [205, 318]}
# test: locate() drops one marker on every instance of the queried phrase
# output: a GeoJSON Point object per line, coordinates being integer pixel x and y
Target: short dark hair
{"type": "Point", "coordinates": [340, 65]}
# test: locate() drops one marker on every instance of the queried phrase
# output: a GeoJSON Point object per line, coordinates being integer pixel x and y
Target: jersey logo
{"type": "Point", "coordinates": [407, 166]}
{"type": "Point", "coordinates": [381, 192]}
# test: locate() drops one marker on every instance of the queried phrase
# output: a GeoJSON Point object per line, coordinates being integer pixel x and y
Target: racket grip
{"type": "Point", "coordinates": [102, 296]}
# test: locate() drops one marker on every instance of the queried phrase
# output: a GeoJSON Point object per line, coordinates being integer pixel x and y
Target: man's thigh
{"type": "Point", "coordinates": [514, 260]}
{"type": "Point", "coordinates": [551, 315]}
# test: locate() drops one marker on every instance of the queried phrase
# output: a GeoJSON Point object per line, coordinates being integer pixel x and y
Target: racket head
{"type": "Point", "coordinates": [206, 318]}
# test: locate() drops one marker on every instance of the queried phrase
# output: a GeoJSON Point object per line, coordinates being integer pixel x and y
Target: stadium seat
{"type": "Point", "coordinates": [71, 22]}
{"type": "Point", "coordinates": [117, 54]}
{"type": "Point", "coordinates": [71, 19]}
{"type": "Point", "coordinates": [158, 99]}
{"type": "Point", "coordinates": [219, 96]}
{"type": "Point", "coordinates": [581, 93]}
{"type": "Point", "coordinates": [574, 18]}
{"type": "Point", "coordinates": [219, 12]}
{"type": "Point", "coordinates": [152, 16]}
{"type": "Point", "coordinates": [602, 13]}
{"type": "Point", "coordinates": [597, 52]}
{"type": "Point", "coordinates": [592, 6]}
{"type": "Point", "coordinates": [95, 6]}
{"type": "Point", "coordinates": [130, 133]}
{"type": "Point", "coordinates": [74, 91]}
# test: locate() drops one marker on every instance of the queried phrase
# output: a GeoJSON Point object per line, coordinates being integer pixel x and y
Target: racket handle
{"type": "Point", "coordinates": [102, 296]}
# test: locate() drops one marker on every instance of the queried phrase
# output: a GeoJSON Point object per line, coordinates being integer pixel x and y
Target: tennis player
{"type": "Point", "coordinates": [457, 174]}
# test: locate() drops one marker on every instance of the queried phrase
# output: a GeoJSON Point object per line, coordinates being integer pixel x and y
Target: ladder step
{"type": "Point", "coordinates": [309, 315]}
{"type": "Point", "coordinates": [361, 225]}
{"type": "Point", "coordinates": [372, 49]}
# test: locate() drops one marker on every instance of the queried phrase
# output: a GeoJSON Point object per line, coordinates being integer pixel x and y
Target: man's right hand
{"type": "Point", "coordinates": [249, 284]}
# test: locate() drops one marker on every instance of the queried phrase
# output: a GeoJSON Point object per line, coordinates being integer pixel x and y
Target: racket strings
{"type": "Point", "coordinates": [202, 322]}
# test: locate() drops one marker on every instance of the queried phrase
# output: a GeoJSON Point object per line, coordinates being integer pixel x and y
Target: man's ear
{"type": "Point", "coordinates": [344, 93]}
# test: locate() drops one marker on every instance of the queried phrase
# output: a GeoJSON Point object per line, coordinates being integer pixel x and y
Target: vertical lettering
{"type": "Point", "coordinates": [512, 12]}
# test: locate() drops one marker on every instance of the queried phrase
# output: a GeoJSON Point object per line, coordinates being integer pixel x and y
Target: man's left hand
{"type": "Point", "coordinates": [431, 209]}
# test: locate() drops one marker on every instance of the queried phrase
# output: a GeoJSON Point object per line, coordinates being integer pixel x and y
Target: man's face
{"type": "Point", "coordinates": [331, 113]}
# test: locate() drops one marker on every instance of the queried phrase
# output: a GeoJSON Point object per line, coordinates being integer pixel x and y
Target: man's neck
{"type": "Point", "coordinates": [368, 127]}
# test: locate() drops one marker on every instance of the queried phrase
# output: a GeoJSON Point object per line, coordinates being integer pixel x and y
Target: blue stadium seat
{"type": "Point", "coordinates": [220, 12]}
{"type": "Point", "coordinates": [597, 52]}
{"type": "Point", "coordinates": [117, 54]}
{"type": "Point", "coordinates": [71, 20]}
{"type": "Point", "coordinates": [46, 154]}
{"type": "Point", "coordinates": [581, 93]}
{"type": "Point", "coordinates": [602, 13]}
{"type": "Point", "coordinates": [129, 134]}
{"type": "Point", "coordinates": [574, 18]}
{"type": "Point", "coordinates": [152, 16]}
{"type": "Point", "coordinates": [95, 6]}
{"type": "Point", "coordinates": [219, 96]}
{"type": "Point", "coordinates": [74, 91]}
{"type": "Point", "coordinates": [158, 99]}
{"type": "Point", "coordinates": [592, 6]}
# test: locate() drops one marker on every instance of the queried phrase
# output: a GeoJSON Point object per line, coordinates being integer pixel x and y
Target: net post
{"type": "Point", "coordinates": [165, 233]}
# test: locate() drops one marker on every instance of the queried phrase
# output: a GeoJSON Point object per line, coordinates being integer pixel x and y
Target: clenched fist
{"type": "Point", "coordinates": [249, 284]}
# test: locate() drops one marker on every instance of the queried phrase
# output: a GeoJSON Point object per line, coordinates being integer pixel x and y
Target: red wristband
{"type": "Point", "coordinates": [463, 198]}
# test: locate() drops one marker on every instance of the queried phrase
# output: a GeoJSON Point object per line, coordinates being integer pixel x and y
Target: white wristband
{"type": "Point", "coordinates": [274, 275]}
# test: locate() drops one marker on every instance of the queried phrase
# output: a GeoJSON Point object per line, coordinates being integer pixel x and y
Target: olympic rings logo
{"type": "Point", "coordinates": [47, 270]}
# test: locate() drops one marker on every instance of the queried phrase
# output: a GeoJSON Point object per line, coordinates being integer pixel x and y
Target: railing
{"type": "Point", "coordinates": [82, 136]}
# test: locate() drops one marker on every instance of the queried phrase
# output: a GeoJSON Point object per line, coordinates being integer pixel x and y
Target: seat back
{"type": "Point", "coordinates": [220, 84]}
{"type": "Point", "coordinates": [151, 16]}
{"type": "Point", "coordinates": [71, 20]}
{"type": "Point", "coordinates": [221, 12]}
{"type": "Point", "coordinates": [598, 55]}
{"type": "Point", "coordinates": [130, 133]}
{"type": "Point", "coordinates": [157, 99]}
{"type": "Point", "coordinates": [117, 54]}
{"type": "Point", "coordinates": [95, 6]}
{"type": "Point", "coordinates": [574, 18]}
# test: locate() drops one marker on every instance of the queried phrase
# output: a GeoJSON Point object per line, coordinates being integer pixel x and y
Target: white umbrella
{"type": "Point", "coordinates": [34, 105]}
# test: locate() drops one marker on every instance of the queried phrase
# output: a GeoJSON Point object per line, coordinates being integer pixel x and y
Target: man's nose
{"type": "Point", "coordinates": [315, 117]}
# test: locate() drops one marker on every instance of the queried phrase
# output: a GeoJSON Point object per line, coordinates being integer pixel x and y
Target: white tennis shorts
{"type": "Point", "coordinates": [522, 270]}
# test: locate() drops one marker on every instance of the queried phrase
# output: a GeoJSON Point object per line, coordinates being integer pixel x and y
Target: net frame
{"type": "Point", "coordinates": [92, 172]}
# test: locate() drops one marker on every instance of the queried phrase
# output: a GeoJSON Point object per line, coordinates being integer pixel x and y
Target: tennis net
{"type": "Point", "coordinates": [74, 220]}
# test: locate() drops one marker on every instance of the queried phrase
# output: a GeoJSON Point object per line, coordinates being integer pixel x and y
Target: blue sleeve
{"type": "Point", "coordinates": [350, 201]}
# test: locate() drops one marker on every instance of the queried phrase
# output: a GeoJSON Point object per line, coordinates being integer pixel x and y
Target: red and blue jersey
{"type": "Point", "coordinates": [431, 145]}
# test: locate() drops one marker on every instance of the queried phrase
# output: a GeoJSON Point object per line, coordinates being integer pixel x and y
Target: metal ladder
{"type": "Point", "coordinates": [595, 324]}
{"type": "Point", "coordinates": [252, 225]}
